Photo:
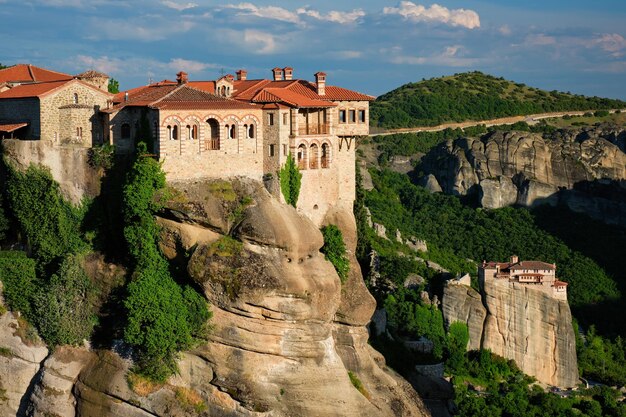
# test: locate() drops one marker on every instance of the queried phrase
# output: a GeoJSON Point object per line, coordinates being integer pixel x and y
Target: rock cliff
{"type": "Point", "coordinates": [521, 323]}
{"type": "Point", "coordinates": [285, 332]}
{"type": "Point", "coordinates": [582, 168]}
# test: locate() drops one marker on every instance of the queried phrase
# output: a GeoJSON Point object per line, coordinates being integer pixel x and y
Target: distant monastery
{"type": "Point", "coordinates": [233, 126]}
{"type": "Point", "coordinates": [540, 275]}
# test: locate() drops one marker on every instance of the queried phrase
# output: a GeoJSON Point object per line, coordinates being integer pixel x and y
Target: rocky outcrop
{"type": "Point", "coordinates": [68, 165]}
{"type": "Point", "coordinates": [21, 354]}
{"type": "Point", "coordinates": [506, 168]}
{"type": "Point", "coordinates": [285, 332]}
{"type": "Point", "coordinates": [521, 323]}
{"type": "Point", "coordinates": [464, 304]}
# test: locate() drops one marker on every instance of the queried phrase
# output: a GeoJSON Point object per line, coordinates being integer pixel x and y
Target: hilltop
{"type": "Point", "coordinates": [472, 96]}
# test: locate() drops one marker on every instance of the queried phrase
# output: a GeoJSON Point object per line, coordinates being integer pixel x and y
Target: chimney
{"type": "Point", "coordinates": [242, 75]}
{"type": "Point", "coordinates": [288, 72]}
{"type": "Point", "coordinates": [514, 259]}
{"type": "Point", "coordinates": [320, 80]}
{"type": "Point", "coordinates": [126, 96]}
{"type": "Point", "coordinates": [182, 77]}
{"type": "Point", "coordinates": [278, 74]}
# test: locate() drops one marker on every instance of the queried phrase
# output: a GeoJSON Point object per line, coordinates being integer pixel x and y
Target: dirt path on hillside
{"type": "Point", "coordinates": [530, 119]}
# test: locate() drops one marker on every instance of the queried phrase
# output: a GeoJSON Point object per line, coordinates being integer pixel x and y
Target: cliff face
{"type": "Point", "coordinates": [584, 169]}
{"type": "Point", "coordinates": [520, 323]}
{"type": "Point", "coordinates": [285, 330]}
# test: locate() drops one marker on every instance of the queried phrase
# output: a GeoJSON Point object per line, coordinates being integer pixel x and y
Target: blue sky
{"type": "Point", "coordinates": [370, 46]}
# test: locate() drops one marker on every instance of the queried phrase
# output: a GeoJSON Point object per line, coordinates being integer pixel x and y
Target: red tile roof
{"type": "Point", "coordinates": [11, 127]}
{"type": "Point", "coordinates": [172, 96]}
{"type": "Point", "coordinates": [294, 92]}
{"type": "Point", "coordinates": [558, 283]}
{"type": "Point", "coordinates": [32, 90]}
{"type": "Point", "coordinates": [531, 265]}
{"type": "Point", "coordinates": [26, 73]}
{"type": "Point", "coordinates": [208, 86]}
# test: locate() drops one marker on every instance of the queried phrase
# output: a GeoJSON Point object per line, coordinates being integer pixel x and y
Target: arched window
{"type": "Point", "coordinates": [251, 131]}
{"type": "Point", "coordinates": [125, 131]}
{"type": "Point", "coordinates": [313, 156]}
{"type": "Point", "coordinates": [223, 90]}
{"type": "Point", "coordinates": [75, 98]}
{"type": "Point", "coordinates": [192, 132]}
{"type": "Point", "coordinates": [232, 132]}
{"type": "Point", "coordinates": [213, 141]}
{"type": "Point", "coordinates": [325, 155]}
{"type": "Point", "coordinates": [172, 132]}
{"type": "Point", "coordinates": [301, 155]}
{"type": "Point", "coordinates": [245, 130]}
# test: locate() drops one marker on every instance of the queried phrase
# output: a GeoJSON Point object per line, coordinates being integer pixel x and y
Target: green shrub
{"type": "Point", "coordinates": [290, 180]}
{"type": "Point", "coordinates": [17, 273]}
{"type": "Point", "coordinates": [162, 317]}
{"type": "Point", "coordinates": [601, 113]}
{"type": "Point", "coordinates": [334, 250]}
{"type": "Point", "coordinates": [64, 311]}
{"type": "Point", "coordinates": [356, 382]}
{"type": "Point", "coordinates": [101, 156]}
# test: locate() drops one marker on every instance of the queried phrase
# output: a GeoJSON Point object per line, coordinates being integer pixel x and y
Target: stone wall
{"type": "Point", "coordinates": [53, 122]}
{"type": "Point", "coordinates": [350, 128]}
{"type": "Point", "coordinates": [186, 158]}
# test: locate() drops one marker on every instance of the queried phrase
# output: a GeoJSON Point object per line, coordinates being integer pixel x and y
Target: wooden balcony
{"type": "Point", "coordinates": [314, 129]}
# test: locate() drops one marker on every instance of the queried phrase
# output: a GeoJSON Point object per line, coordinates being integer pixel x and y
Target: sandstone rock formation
{"type": "Point", "coordinates": [20, 359]}
{"type": "Point", "coordinates": [506, 168]}
{"type": "Point", "coordinates": [518, 322]}
{"type": "Point", "coordinates": [285, 332]}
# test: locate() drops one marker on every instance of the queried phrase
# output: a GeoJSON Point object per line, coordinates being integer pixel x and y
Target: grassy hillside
{"type": "Point", "coordinates": [472, 96]}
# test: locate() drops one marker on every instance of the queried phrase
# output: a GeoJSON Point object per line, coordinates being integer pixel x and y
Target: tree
{"type": "Point", "coordinates": [114, 86]}
{"type": "Point", "coordinates": [3, 66]}
{"type": "Point", "coordinates": [290, 180]}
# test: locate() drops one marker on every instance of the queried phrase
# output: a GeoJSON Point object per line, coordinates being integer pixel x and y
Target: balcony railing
{"type": "Point", "coordinates": [313, 129]}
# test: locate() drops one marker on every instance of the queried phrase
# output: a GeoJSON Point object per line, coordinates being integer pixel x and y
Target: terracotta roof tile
{"type": "Point", "coordinates": [27, 73]}
{"type": "Point", "coordinates": [208, 86]}
{"type": "Point", "coordinates": [11, 127]}
{"type": "Point", "coordinates": [32, 90]}
{"type": "Point", "coordinates": [289, 97]}
{"type": "Point", "coordinates": [531, 265]}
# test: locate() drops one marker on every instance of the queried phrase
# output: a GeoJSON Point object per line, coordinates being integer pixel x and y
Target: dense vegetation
{"type": "Point", "coordinates": [456, 232]}
{"type": "Point", "coordinates": [472, 96]}
{"type": "Point", "coordinates": [158, 311]}
{"type": "Point", "coordinates": [334, 250]}
{"type": "Point", "coordinates": [163, 316]}
{"type": "Point", "coordinates": [487, 385]}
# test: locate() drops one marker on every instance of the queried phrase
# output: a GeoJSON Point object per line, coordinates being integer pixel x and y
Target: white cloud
{"type": "Point", "coordinates": [333, 16]}
{"type": "Point", "coordinates": [178, 6]}
{"type": "Point", "coordinates": [449, 57]}
{"type": "Point", "coordinates": [505, 30]}
{"type": "Point", "coordinates": [285, 15]}
{"type": "Point", "coordinates": [261, 42]}
{"type": "Point", "coordinates": [435, 13]}
{"type": "Point", "coordinates": [268, 12]}
{"type": "Point", "coordinates": [143, 29]}
{"type": "Point", "coordinates": [145, 66]}
{"type": "Point", "coordinates": [613, 43]}
{"type": "Point", "coordinates": [180, 64]}
{"type": "Point", "coordinates": [347, 54]}
{"type": "Point", "coordinates": [102, 64]}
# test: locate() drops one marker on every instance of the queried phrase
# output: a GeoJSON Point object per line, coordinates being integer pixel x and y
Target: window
{"type": "Point", "coordinates": [172, 132]}
{"type": "Point", "coordinates": [342, 116]}
{"type": "Point", "coordinates": [271, 119]}
{"type": "Point", "coordinates": [75, 98]}
{"type": "Point", "coordinates": [285, 150]}
{"type": "Point", "coordinates": [213, 143]}
{"type": "Point", "coordinates": [192, 132]}
{"type": "Point", "coordinates": [272, 150]}
{"type": "Point", "coordinates": [313, 155]}
{"type": "Point", "coordinates": [125, 131]}
{"type": "Point", "coordinates": [285, 118]}
{"type": "Point", "coordinates": [79, 132]}
{"type": "Point", "coordinates": [352, 114]}
{"type": "Point", "coordinates": [233, 132]}
{"type": "Point", "coordinates": [325, 155]}
{"type": "Point", "coordinates": [251, 131]}
{"type": "Point", "coordinates": [361, 116]}
{"type": "Point", "coordinates": [301, 156]}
